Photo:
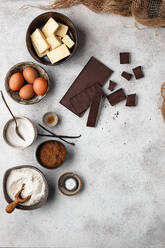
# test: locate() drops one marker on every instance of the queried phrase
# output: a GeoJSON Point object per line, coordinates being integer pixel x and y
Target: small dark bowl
{"type": "Point", "coordinates": [39, 22]}
{"type": "Point", "coordinates": [61, 182]}
{"type": "Point", "coordinates": [38, 154]}
{"type": "Point", "coordinates": [19, 68]}
{"type": "Point", "coordinates": [37, 205]}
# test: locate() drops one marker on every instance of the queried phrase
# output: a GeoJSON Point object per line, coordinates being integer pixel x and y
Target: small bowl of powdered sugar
{"type": "Point", "coordinates": [27, 129]}
{"type": "Point", "coordinates": [35, 185]}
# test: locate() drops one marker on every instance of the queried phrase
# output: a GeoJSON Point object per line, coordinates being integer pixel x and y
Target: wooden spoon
{"type": "Point", "coordinates": [11, 206]}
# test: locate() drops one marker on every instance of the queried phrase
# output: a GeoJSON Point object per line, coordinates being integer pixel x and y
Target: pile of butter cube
{"type": "Point", "coordinates": [52, 41]}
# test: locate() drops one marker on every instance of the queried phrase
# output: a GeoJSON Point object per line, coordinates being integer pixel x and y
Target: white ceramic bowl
{"type": "Point", "coordinates": [18, 146]}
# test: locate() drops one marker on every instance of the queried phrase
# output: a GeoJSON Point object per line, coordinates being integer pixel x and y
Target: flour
{"type": "Point", "coordinates": [34, 185]}
{"type": "Point", "coordinates": [25, 128]}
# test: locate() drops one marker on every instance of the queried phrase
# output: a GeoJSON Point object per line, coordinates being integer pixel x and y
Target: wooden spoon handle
{"type": "Point", "coordinates": [11, 206]}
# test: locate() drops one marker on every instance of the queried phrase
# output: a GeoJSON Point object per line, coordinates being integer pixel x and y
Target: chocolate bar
{"type": "Point", "coordinates": [131, 100]}
{"type": "Point", "coordinates": [93, 72]}
{"type": "Point", "coordinates": [94, 109]}
{"type": "Point", "coordinates": [93, 90]}
{"type": "Point", "coordinates": [124, 58]}
{"type": "Point", "coordinates": [126, 75]}
{"type": "Point", "coordinates": [138, 72]}
{"type": "Point", "coordinates": [116, 97]}
{"type": "Point", "coordinates": [82, 101]}
{"type": "Point", "coordinates": [112, 85]}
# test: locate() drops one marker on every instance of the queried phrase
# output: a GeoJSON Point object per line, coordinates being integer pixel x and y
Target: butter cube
{"type": "Point", "coordinates": [38, 53]}
{"type": "Point", "coordinates": [50, 27]}
{"type": "Point", "coordinates": [59, 53]}
{"type": "Point", "coordinates": [62, 30]}
{"type": "Point", "coordinates": [53, 41]}
{"type": "Point", "coordinates": [39, 41]}
{"type": "Point", "coordinates": [68, 41]}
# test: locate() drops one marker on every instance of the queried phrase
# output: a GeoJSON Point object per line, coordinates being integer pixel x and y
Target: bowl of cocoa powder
{"type": "Point", "coordinates": [51, 154]}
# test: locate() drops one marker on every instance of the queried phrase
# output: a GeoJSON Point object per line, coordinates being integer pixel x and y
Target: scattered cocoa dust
{"type": "Point", "coordinates": [115, 115]}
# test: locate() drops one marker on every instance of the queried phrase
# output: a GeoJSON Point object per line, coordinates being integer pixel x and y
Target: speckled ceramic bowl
{"type": "Point", "coordinates": [19, 206]}
{"type": "Point", "coordinates": [61, 183]}
{"type": "Point", "coordinates": [39, 22]}
{"type": "Point", "coordinates": [5, 130]}
{"type": "Point", "coordinates": [19, 68]}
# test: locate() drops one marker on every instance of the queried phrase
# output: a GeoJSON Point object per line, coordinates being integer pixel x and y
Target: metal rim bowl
{"type": "Point", "coordinates": [35, 206]}
{"type": "Point", "coordinates": [62, 179]}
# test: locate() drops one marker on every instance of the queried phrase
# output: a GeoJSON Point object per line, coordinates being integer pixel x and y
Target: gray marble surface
{"type": "Point", "coordinates": [122, 161]}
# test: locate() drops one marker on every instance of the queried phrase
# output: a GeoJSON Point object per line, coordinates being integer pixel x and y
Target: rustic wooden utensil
{"type": "Point", "coordinates": [11, 206]}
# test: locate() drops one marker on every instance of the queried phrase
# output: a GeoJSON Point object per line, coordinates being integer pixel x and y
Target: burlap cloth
{"type": "Point", "coordinates": [146, 12]}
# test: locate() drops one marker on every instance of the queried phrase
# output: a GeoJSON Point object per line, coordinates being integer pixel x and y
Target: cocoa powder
{"type": "Point", "coordinates": [51, 154]}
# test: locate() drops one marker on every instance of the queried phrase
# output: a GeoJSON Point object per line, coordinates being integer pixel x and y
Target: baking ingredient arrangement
{"type": "Point", "coordinates": [25, 187]}
{"type": "Point", "coordinates": [85, 93]}
{"type": "Point", "coordinates": [52, 40]}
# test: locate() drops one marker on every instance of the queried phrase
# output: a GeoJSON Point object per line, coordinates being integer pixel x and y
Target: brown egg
{"type": "Point", "coordinates": [40, 86]}
{"type": "Point", "coordinates": [16, 81]}
{"type": "Point", "coordinates": [26, 92]}
{"type": "Point", "coordinates": [30, 74]}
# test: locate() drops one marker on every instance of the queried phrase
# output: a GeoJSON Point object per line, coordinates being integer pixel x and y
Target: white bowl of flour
{"type": "Point", "coordinates": [35, 185]}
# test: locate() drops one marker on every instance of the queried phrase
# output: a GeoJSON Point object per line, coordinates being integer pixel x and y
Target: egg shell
{"type": "Point", "coordinates": [30, 74]}
{"type": "Point", "coordinates": [26, 92]}
{"type": "Point", "coordinates": [16, 81]}
{"type": "Point", "coordinates": [40, 86]}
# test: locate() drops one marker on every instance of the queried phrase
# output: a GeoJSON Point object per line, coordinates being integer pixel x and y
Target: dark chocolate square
{"type": "Point", "coordinates": [138, 72]}
{"type": "Point", "coordinates": [112, 85]}
{"type": "Point", "coordinates": [116, 97]}
{"type": "Point", "coordinates": [124, 58]}
{"type": "Point", "coordinates": [131, 100]}
{"type": "Point", "coordinates": [126, 75]}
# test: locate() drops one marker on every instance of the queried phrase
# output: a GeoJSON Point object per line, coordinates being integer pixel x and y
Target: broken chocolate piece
{"type": "Point", "coordinates": [138, 72]}
{"type": "Point", "coordinates": [124, 58]}
{"type": "Point", "coordinates": [94, 109]}
{"type": "Point", "coordinates": [112, 85]}
{"type": "Point", "coordinates": [126, 75]}
{"type": "Point", "coordinates": [93, 90]}
{"type": "Point", "coordinates": [94, 71]}
{"type": "Point", "coordinates": [116, 97]}
{"type": "Point", "coordinates": [82, 101]}
{"type": "Point", "coordinates": [131, 100]}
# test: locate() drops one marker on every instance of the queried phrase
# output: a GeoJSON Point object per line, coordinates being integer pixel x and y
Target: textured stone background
{"type": "Point", "coordinates": [122, 161]}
